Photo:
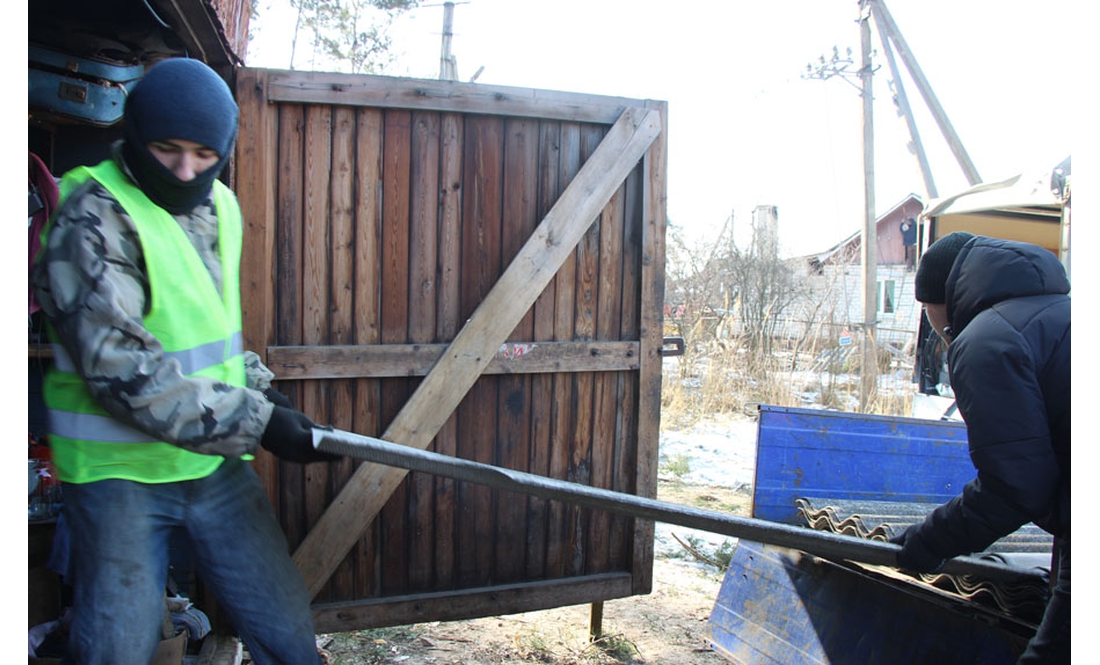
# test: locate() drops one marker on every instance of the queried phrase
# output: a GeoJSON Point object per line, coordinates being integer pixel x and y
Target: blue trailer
{"type": "Point", "coordinates": [869, 476]}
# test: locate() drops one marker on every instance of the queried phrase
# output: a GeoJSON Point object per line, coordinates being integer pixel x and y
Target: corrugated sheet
{"type": "Point", "coordinates": [881, 520]}
{"type": "Point", "coordinates": [885, 519]}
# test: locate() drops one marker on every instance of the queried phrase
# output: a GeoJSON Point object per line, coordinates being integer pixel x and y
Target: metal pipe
{"type": "Point", "coordinates": [819, 543]}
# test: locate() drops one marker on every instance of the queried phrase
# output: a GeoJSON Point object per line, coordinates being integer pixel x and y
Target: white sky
{"type": "Point", "coordinates": [745, 128]}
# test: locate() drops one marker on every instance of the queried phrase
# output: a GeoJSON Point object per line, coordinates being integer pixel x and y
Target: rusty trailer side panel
{"type": "Point", "coordinates": [383, 212]}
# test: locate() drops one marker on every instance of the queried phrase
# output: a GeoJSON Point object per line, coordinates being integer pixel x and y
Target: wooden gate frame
{"type": "Point", "coordinates": [636, 135]}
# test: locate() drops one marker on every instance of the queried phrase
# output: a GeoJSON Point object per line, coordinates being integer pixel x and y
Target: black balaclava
{"type": "Point", "coordinates": [178, 98]}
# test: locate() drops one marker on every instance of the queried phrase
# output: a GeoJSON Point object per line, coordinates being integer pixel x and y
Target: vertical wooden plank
{"type": "Point", "coordinates": [649, 373]}
{"type": "Point", "coordinates": [423, 232]}
{"type": "Point", "coordinates": [367, 294]}
{"type": "Point", "coordinates": [317, 250]}
{"type": "Point", "coordinates": [256, 155]}
{"type": "Point", "coordinates": [520, 218]}
{"type": "Point", "coordinates": [447, 326]}
{"type": "Point", "coordinates": [584, 329]}
{"type": "Point", "coordinates": [542, 385]}
{"type": "Point", "coordinates": [341, 310]}
{"type": "Point", "coordinates": [605, 404]}
{"type": "Point", "coordinates": [626, 439]}
{"type": "Point", "coordinates": [288, 294]}
{"type": "Point", "coordinates": [395, 326]}
{"type": "Point", "coordinates": [481, 266]}
{"type": "Point", "coordinates": [562, 406]}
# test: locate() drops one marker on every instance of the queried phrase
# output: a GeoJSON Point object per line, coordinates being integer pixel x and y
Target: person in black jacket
{"type": "Point", "coordinates": [1003, 308]}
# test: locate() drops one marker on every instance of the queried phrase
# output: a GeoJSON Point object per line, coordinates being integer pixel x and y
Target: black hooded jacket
{"type": "Point", "coordinates": [1008, 309]}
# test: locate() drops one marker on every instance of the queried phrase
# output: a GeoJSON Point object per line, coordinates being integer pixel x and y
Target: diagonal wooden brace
{"type": "Point", "coordinates": [456, 371]}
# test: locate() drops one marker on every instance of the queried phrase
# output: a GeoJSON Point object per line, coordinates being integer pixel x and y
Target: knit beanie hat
{"type": "Point", "coordinates": [935, 266]}
{"type": "Point", "coordinates": [178, 98]}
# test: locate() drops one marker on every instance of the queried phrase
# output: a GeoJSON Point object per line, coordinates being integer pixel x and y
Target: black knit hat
{"type": "Point", "coordinates": [178, 98]}
{"type": "Point", "coordinates": [936, 264]}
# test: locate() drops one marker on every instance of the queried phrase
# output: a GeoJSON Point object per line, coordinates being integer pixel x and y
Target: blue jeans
{"type": "Point", "coordinates": [120, 533]}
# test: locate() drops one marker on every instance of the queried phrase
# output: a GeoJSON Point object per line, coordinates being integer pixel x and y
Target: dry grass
{"type": "Point", "coordinates": [720, 377]}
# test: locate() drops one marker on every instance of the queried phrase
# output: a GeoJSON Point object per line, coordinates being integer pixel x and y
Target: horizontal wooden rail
{"type": "Point", "coordinates": [469, 603]}
{"type": "Point", "coordinates": [450, 96]}
{"type": "Point", "coordinates": [395, 360]}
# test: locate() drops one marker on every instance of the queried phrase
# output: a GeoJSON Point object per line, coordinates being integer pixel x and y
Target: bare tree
{"type": "Point", "coordinates": [763, 288]}
{"type": "Point", "coordinates": [353, 34]}
{"type": "Point", "coordinates": [691, 286]}
{"type": "Point", "coordinates": [739, 292]}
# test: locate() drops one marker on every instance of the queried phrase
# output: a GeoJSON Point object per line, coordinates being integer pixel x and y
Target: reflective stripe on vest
{"type": "Point", "coordinates": [191, 361]}
{"type": "Point", "coordinates": [196, 326]}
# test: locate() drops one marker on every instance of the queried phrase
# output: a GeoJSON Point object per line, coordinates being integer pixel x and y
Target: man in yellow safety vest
{"type": "Point", "coordinates": [153, 405]}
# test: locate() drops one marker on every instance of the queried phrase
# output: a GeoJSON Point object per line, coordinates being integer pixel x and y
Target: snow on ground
{"type": "Point", "coordinates": [720, 453]}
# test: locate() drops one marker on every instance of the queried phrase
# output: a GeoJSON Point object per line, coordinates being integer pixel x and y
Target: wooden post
{"type": "Point", "coordinates": [448, 70]}
{"type": "Point", "coordinates": [869, 245]}
{"type": "Point", "coordinates": [595, 623]}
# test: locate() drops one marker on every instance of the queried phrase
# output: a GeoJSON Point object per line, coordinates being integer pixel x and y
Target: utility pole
{"type": "Point", "coordinates": [869, 245]}
{"type": "Point", "coordinates": [448, 68]}
{"type": "Point", "coordinates": [838, 66]}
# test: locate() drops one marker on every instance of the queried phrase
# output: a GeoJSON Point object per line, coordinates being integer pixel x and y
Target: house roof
{"type": "Point", "coordinates": [822, 257]}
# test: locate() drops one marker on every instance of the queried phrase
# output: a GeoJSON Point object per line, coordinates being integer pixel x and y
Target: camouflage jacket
{"type": "Point", "coordinates": [92, 285]}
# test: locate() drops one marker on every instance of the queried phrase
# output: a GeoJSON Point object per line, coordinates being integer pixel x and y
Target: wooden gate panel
{"type": "Point", "coordinates": [391, 225]}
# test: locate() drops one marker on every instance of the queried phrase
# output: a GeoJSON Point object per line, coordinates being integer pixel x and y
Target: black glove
{"type": "Point", "coordinates": [277, 398]}
{"type": "Point", "coordinates": [289, 436]}
{"type": "Point", "coordinates": [915, 555]}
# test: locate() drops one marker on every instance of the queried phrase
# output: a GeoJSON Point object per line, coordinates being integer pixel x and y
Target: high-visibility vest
{"type": "Point", "coordinates": [193, 322]}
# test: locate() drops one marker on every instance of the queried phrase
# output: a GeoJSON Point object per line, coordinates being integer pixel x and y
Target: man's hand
{"type": "Point", "coordinates": [915, 555]}
{"type": "Point", "coordinates": [289, 436]}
